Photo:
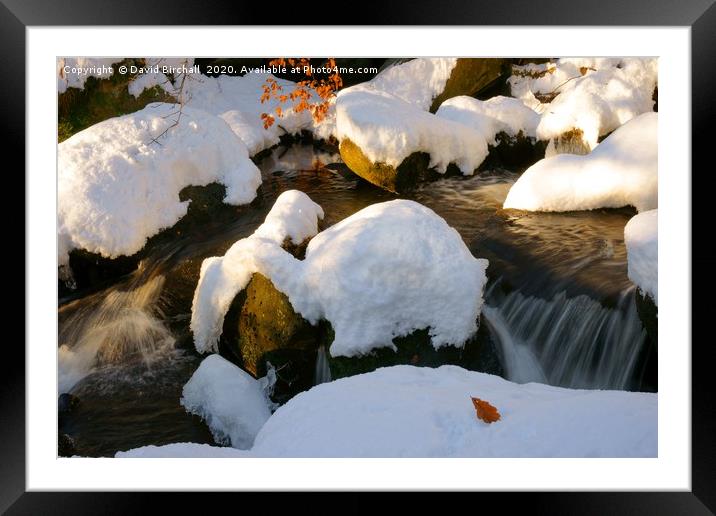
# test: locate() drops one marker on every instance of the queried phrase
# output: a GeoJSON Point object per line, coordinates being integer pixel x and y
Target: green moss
{"type": "Point", "coordinates": [469, 77]}
{"type": "Point", "coordinates": [406, 176]}
{"type": "Point", "coordinates": [102, 99]}
{"type": "Point", "coordinates": [267, 322]}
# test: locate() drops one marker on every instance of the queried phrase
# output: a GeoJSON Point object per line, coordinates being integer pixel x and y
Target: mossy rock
{"type": "Point", "coordinates": [271, 332]}
{"type": "Point", "coordinates": [404, 177]}
{"type": "Point", "coordinates": [570, 142]}
{"type": "Point", "coordinates": [101, 99]}
{"type": "Point", "coordinates": [268, 322]}
{"type": "Point", "coordinates": [469, 77]}
{"type": "Point", "coordinates": [478, 354]}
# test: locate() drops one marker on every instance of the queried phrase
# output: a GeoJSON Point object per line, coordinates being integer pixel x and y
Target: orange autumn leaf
{"type": "Point", "coordinates": [268, 120]}
{"type": "Point", "coordinates": [485, 410]}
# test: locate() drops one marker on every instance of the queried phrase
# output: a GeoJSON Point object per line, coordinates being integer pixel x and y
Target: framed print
{"type": "Point", "coordinates": [410, 258]}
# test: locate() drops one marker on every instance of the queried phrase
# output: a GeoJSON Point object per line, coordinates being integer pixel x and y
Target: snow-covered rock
{"type": "Point", "coordinates": [417, 81]}
{"type": "Point", "coordinates": [642, 244]}
{"type": "Point", "coordinates": [621, 171]}
{"type": "Point", "coordinates": [119, 180]}
{"type": "Point", "coordinates": [383, 125]}
{"type": "Point", "coordinates": [490, 117]}
{"type": "Point", "coordinates": [294, 216]}
{"type": "Point", "coordinates": [383, 272]}
{"type": "Point", "coordinates": [386, 130]}
{"type": "Point", "coordinates": [231, 401]}
{"type": "Point", "coordinates": [594, 96]}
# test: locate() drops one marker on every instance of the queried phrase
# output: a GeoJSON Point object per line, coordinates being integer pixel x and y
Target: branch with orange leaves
{"type": "Point", "coordinates": [302, 98]}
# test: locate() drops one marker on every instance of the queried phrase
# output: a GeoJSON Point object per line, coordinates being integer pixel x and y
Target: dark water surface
{"type": "Point", "coordinates": [558, 301]}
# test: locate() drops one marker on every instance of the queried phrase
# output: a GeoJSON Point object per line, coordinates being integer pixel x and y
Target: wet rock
{"type": "Point", "coordinates": [571, 142]}
{"type": "Point", "coordinates": [67, 403]}
{"type": "Point", "coordinates": [65, 445]}
{"type": "Point", "coordinates": [294, 369]}
{"type": "Point", "coordinates": [412, 171]}
{"type": "Point", "coordinates": [478, 354]}
{"type": "Point", "coordinates": [648, 313]}
{"type": "Point", "coordinates": [515, 151]}
{"type": "Point", "coordinates": [91, 270]}
{"type": "Point", "coordinates": [469, 77]}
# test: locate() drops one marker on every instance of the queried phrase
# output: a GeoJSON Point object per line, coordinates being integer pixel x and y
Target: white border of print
{"type": "Point", "coordinates": [670, 471]}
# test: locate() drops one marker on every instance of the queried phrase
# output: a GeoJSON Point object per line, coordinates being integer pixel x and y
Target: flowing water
{"type": "Point", "coordinates": [559, 305]}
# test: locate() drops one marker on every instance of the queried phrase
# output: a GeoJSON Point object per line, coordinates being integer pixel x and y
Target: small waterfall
{"type": "Point", "coordinates": [571, 342]}
{"type": "Point", "coordinates": [113, 327]}
{"type": "Point", "coordinates": [323, 371]}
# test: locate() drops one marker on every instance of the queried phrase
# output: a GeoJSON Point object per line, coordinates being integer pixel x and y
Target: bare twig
{"type": "Point", "coordinates": [181, 101]}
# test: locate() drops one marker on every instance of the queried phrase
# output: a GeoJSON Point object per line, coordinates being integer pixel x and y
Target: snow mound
{"type": "Point", "coordinates": [238, 101]}
{"type": "Point", "coordinates": [383, 272]}
{"type": "Point", "coordinates": [417, 81]}
{"type": "Point", "coordinates": [406, 411]}
{"type": "Point", "coordinates": [294, 216]}
{"type": "Point", "coordinates": [621, 171]}
{"type": "Point", "coordinates": [117, 187]}
{"type": "Point", "coordinates": [230, 400]}
{"type": "Point", "coordinates": [181, 451]}
{"type": "Point", "coordinates": [388, 129]}
{"type": "Point", "coordinates": [642, 243]}
{"type": "Point", "coordinates": [594, 95]}
{"type": "Point", "coordinates": [498, 114]}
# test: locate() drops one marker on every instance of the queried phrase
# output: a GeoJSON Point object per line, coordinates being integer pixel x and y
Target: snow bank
{"type": "Point", "coordinates": [384, 272]}
{"type": "Point", "coordinates": [621, 171]}
{"type": "Point", "coordinates": [294, 216]}
{"type": "Point", "coordinates": [417, 81]}
{"type": "Point", "coordinates": [406, 411]}
{"type": "Point", "coordinates": [238, 101]}
{"type": "Point", "coordinates": [181, 451]}
{"type": "Point", "coordinates": [498, 114]}
{"type": "Point", "coordinates": [231, 401]}
{"type": "Point", "coordinates": [642, 243]}
{"type": "Point", "coordinates": [388, 129]}
{"type": "Point", "coordinates": [595, 95]}
{"type": "Point", "coordinates": [73, 72]}
{"type": "Point", "coordinates": [117, 187]}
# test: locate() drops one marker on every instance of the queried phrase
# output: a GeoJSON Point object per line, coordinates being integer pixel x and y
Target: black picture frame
{"type": "Point", "coordinates": [700, 15]}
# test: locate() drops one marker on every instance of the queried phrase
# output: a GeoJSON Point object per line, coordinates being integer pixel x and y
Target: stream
{"type": "Point", "coordinates": [558, 305]}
